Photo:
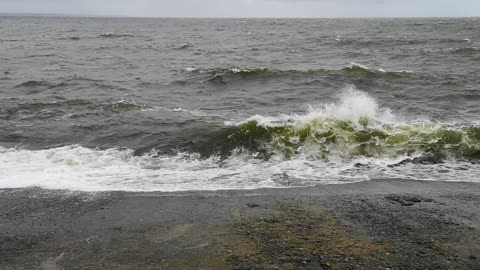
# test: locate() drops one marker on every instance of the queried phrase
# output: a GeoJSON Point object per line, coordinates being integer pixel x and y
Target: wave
{"type": "Point", "coordinates": [33, 83]}
{"type": "Point", "coordinates": [67, 81]}
{"type": "Point", "coordinates": [183, 46]}
{"type": "Point", "coordinates": [65, 107]}
{"type": "Point", "coordinates": [122, 105]}
{"type": "Point", "coordinates": [458, 96]}
{"type": "Point", "coordinates": [218, 75]}
{"type": "Point", "coordinates": [359, 68]}
{"type": "Point", "coordinates": [351, 140]}
{"type": "Point", "coordinates": [11, 40]}
{"type": "Point", "coordinates": [114, 35]}
{"type": "Point", "coordinates": [395, 42]}
{"type": "Point", "coordinates": [346, 139]}
{"type": "Point", "coordinates": [43, 55]}
{"type": "Point", "coordinates": [353, 127]}
{"type": "Point", "coordinates": [465, 51]}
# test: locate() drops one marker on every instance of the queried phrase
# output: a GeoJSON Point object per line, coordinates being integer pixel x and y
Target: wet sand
{"type": "Point", "coordinates": [381, 224]}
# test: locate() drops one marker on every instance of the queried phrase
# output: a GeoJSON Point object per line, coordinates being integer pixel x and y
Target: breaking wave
{"type": "Point", "coordinates": [351, 140]}
{"type": "Point", "coordinates": [353, 127]}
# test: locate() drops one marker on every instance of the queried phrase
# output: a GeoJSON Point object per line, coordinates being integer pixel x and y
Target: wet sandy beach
{"type": "Point", "coordinates": [381, 224]}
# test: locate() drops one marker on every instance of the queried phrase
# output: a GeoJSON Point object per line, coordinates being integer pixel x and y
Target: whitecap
{"type": "Point", "coordinates": [353, 65]}
{"type": "Point", "coordinates": [190, 69]}
{"type": "Point", "coordinates": [178, 109]}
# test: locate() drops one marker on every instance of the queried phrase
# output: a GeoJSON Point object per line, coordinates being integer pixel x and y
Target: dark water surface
{"type": "Point", "coordinates": [180, 104]}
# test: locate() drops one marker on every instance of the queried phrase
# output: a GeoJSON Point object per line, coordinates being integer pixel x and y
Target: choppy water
{"type": "Point", "coordinates": [189, 104]}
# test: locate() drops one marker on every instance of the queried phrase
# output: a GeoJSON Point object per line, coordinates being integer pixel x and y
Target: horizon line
{"type": "Point", "coordinates": [69, 15]}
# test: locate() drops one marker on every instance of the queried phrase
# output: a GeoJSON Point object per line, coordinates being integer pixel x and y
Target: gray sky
{"type": "Point", "coordinates": [248, 8]}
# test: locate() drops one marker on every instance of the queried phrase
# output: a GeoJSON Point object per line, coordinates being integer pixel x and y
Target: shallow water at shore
{"type": "Point", "coordinates": [101, 104]}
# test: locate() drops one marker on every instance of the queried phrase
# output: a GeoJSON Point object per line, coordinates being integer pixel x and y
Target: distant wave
{"type": "Point", "coordinates": [183, 46]}
{"type": "Point", "coordinates": [75, 38]}
{"type": "Point", "coordinates": [223, 75]}
{"type": "Point", "coordinates": [458, 96]}
{"type": "Point", "coordinates": [43, 55]}
{"type": "Point", "coordinates": [114, 35]}
{"type": "Point", "coordinates": [11, 40]}
{"type": "Point", "coordinates": [32, 83]}
{"type": "Point", "coordinates": [398, 41]}
{"type": "Point", "coordinates": [35, 84]}
{"type": "Point", "coordinates": [466, 51]}
{"type": "Point", "coordinates": [71, 107]}
{"type": "Point", "coordinates": [40, 85]}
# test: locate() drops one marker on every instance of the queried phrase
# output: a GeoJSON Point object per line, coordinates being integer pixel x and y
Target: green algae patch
{"type": "Point", "coordinates": [297, 236]}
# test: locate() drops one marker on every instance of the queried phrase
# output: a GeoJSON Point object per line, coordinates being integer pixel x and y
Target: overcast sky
{"type": "Point", "coordinates": [248, 8]}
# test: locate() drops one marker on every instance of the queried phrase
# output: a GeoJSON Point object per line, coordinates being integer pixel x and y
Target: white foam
{"type": "Point", "coordinates": [178, 109]}
{"type": "Point", "coordinates": [353, 105]}
{"type": "Point", "coordinates": [246, 70]}
{"type": "Point", "coordinates": [78, 168]}
{"type": "Point", "coordinates": [190, 69]}
{"type": "Point", "coordinates": [193, 112]}
{"type": "Point", "coordinates": [184, 46]}
{"type": "Point", "coordinates": [108, 34]}
{"type": "Point", "coordinates": [353, 64]}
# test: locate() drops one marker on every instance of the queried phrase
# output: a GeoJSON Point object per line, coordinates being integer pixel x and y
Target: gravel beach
{"type": "Point", "coordinates": [380, 224]}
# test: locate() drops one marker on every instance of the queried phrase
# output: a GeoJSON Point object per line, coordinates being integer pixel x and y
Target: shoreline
{"type": "Point", "coordinates": [377, 224]}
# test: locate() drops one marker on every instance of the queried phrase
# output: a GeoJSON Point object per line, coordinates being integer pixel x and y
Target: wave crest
{"type": "Point", "coordinates": [354, 126]}
{"type": "Point", "coordinates": [81, 107]}
{"type": "Point", "coordinates": [114, 35]}
{"type": "Point", "coordinates": [219, 75]}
